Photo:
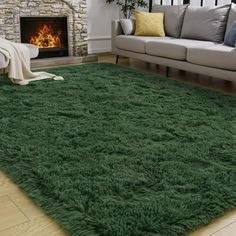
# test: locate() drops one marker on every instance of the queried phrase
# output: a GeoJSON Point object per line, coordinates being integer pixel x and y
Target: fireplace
{"type": "Point", "coordinates": [49, 34]}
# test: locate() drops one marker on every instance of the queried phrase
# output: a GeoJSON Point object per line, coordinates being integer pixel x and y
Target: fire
{"type": "Point", "coordinates": [46, 38]}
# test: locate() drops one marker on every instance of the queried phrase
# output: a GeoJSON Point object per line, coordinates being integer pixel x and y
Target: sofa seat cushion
{"type": "Point", "coordinates": [134, 43]}
{"type": "Point", "coordinates": [34, 51]}
{"type": "Point", "coordinates": [173, 48]}
{"type": "Point", "coordinates": [218, 56]}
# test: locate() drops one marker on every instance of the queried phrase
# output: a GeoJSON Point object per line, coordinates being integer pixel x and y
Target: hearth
{"type": "Point", "coordinates": [50, 34]}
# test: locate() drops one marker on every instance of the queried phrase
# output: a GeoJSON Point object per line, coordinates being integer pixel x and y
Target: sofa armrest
{"type": "Point", "coordinates": [115, 31]}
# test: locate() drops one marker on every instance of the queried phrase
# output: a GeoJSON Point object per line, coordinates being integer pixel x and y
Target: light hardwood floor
{"type": "Point", "coordinates": [19, 216]}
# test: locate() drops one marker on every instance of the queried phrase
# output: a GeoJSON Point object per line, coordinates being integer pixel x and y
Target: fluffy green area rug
{"type": "Point", "coordinates": [113, 151]}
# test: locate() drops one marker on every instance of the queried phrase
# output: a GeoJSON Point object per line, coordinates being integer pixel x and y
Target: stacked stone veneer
{"type": "Point", "coordinates": [74, 10]}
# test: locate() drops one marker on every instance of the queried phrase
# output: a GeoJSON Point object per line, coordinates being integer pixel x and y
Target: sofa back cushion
{"type": "Point", "coordinates": [232, 17]}
{"type": "Point", "coordinates": [173, 18]}
{"type": "Point", "coordinates": [205, 23]}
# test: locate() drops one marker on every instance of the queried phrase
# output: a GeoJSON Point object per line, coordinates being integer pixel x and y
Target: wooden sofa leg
{"type": "Point", "coordinates": [167, 71]}
{"type": "Point", "coordinates": [117, 59]}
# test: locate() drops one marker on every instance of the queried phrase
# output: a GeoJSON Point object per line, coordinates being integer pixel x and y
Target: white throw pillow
{"type": "Point", "coordinates": [128, 26]}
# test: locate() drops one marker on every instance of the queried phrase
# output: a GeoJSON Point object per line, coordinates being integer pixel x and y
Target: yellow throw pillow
{"type": "Point", "coordinates": [149, 24]}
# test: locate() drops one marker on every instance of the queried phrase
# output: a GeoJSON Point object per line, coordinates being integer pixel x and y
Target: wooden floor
{"type": "Point", "coordinates": [19, 216]}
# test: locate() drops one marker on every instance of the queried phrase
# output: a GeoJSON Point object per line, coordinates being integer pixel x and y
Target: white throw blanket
{"type": "Point", "coordinates": [19, 64]}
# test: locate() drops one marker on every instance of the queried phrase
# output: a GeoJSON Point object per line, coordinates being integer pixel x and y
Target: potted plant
{"type": "Point", "coordinates": [127, 6]}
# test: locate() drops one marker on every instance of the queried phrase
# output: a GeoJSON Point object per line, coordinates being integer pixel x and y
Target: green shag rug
{"type": "Point", "coordinates": [113, 151]}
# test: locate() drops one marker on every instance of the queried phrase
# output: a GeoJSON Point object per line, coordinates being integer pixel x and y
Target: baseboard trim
{"type": "Point", "coordinates": [99, 38]}
{"type": "Point", "coordinates": [100, 50]}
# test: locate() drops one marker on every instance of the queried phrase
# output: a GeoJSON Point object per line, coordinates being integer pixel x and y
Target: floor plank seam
{"type": "Point", "coordinates": [9, 197]}
{"type": "Point", "coordinates": [17, 225]}
{"type": "Point", "coordinates": [223, 228]}
{"type": "Point", "coordinates": [22, 223]}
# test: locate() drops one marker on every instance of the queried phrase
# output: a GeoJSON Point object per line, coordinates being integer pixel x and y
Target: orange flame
{"type": "Point", "coordinates": [46, 38]}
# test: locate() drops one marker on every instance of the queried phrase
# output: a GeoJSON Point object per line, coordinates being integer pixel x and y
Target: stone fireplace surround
{"type": "Point", "coordinates": [74, 10]}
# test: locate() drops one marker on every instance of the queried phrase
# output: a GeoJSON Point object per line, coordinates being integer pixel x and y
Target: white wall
{"type": "Point", "coordinates": [100, 16]}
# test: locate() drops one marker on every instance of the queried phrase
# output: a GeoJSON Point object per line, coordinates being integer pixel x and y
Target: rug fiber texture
{"type": "Point", "coordinates": [113, 151]}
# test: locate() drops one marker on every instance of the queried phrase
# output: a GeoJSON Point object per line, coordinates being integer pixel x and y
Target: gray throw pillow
{"type": "Point", "coordinates": [173, 18]}
{"type": "Point", "coordinates": [205, 23]}
{"type": "Point", "coordinates": [128, 26]}
{"type": "Point", "coordinates": [232, 17]}
{"type": "Point", "coordinates": [230, 38]}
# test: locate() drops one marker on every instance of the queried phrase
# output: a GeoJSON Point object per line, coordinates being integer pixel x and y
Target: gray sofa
{"type": "Point", "coordinates": [194, 41]}
{"type": "Point", "coordinates": [34, 51]}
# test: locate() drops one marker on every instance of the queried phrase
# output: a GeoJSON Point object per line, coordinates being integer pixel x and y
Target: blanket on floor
{"type": "Point", "coordinates": [19, 64]}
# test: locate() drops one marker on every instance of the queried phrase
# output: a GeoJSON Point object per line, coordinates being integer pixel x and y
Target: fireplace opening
{"type": "Point", "coordinates": [49, 34]}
